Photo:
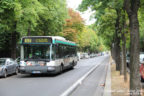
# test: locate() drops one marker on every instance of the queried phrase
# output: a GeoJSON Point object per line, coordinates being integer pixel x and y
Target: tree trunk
{"type": "Point", "coordinates": [124, 65]}
{"type": "Point", "coordinates": [117, 42]}
{"type": "Point", "coordinates": [134, 51]}
{"type": "Point", "coordinates": [117, 52]}
{"type": "Point", "coordinates": [124, 56]}
{"type": "Point", "coordinates": [132, 10]}
{"type": "Point", "coordinates": [13, 43]}
{"type": "Point", "coordinates": [113, 51]}
{"type": "Point", "coordinates": [122, 60]}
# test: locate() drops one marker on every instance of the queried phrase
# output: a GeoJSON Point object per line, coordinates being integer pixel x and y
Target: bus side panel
{"type": "Point", "coordinates": [59, 63]}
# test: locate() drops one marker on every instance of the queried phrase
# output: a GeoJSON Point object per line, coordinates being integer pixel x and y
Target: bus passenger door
{"type": "Point", "coordinates": [67, 60]}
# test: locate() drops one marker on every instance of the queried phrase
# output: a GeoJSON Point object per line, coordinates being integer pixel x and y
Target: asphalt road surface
{"type": "Point", "coordinates": [46, 85]}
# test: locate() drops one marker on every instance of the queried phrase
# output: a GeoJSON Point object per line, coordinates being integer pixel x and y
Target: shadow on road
{"type": "Point", "coordinates": [42, 75]}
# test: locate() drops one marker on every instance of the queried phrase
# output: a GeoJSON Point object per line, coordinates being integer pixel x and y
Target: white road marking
{"type": "Point", "coordinates": [78, 82]}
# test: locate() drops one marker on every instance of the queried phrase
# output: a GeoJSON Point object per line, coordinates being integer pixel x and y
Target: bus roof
{"type": "Point", "coordinates": [54, 40]}
{"type": "Point", "coordinates": [53, 37]}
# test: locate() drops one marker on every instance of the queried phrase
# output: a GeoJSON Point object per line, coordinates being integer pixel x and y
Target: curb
{"type": "Point", "coordinates": [107, 89]}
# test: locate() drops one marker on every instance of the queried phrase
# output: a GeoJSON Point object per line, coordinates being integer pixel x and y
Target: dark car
{"type": "Point", "coordinates": [8, 66]}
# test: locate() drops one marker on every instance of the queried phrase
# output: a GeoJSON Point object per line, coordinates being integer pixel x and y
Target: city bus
{"type": "Point", "coordinates": [46, 54]}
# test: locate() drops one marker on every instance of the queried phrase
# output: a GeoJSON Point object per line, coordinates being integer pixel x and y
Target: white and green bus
{"type": "Point", "coordinates": [46, 54]}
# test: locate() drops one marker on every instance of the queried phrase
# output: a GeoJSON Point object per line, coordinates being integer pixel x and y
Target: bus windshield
{"type": "Point", "coordinates": [37, 52]}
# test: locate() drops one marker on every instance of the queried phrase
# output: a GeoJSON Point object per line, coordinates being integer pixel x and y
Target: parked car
{"type": "Point", "coordinates": [78, 56]}
{"type": "Point", "coordinates": [142, 66]}
{"type": "Point", "coordinates": [18, 61]}
{"type": "Point", "coordinates": [142, 72]}
{"type": "Point", "coordinates": [91, 55]}
{"type": "Point", "coordinates": [86, 56]}
{"type": "Point", "coordinates": [8, 66]}
{"type": "Point", "coordinates": [81, 56]}
{"type": "Point", "coordinates": [141, 57]}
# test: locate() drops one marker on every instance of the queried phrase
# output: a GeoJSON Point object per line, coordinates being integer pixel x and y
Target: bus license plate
{"type": "Point", "coordinates": [36, 72]}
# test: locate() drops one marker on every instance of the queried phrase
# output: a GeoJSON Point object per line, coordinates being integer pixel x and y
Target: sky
{"type": "Point", "coordinates": [85, 15]}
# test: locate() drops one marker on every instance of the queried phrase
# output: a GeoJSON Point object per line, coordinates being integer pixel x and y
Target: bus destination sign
{"type": "Point", "coordinates": [36, 40]}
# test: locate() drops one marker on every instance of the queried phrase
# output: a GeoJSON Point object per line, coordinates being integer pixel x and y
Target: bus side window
{"type": "Point", "coordinates": [57, 51]}
{"type": "Point", "coordinates": [53, 53]}
{"type": "Point", "coordinates": [70, 51]}
{"type": "Point", "coordinates": [60, 51]}
{"type": "Point", "coordinates": [73, 51]}
{"type": "Point", "coordinates": [66, 51]}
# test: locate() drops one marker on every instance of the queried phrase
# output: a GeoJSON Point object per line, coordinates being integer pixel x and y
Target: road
{"type": "Point", "coordinates": [46, 85]}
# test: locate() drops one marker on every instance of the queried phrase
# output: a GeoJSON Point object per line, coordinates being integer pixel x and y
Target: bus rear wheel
{"type": "Point", "coordinates": [72, 65]}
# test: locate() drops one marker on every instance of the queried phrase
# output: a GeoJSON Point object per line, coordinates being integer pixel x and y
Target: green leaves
{"type": "Point", "coordinates": [91, 41]}
{"type": "Point", "coordinates": [53, 18]}
{"type": "Point", "coordinates": [105, 15]}
{"type": "Point", "coordinates": [31, 17]}
{"type": "Point", "coordinates": [74, 26]}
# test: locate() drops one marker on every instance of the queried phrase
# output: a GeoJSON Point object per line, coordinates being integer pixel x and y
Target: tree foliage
{"type": "Point", "coordinates": [30, 17]}
{"type": "Point", "coordinates": [53, 19]}
{"type": "Point", "coordinates": [74, 26]}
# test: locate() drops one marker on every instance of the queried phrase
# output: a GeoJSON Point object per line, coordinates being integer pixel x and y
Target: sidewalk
{"type": "Point", "coordinates": [107, 90]}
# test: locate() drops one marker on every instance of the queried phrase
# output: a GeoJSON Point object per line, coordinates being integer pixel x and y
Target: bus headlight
{"type": "Point", "coordinates": [51, 63]}
{"type": "Point", "coordinates": [51, 68]}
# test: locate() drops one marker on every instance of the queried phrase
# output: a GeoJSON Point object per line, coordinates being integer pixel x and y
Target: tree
{"type": "Point", "coordinates": [30, 17]}
{"type": "Point", "coordinates": [102, 8]}
{"type": "Point", "coordinates": [89, 41]}
{"type": "Point", "coordinates": [53, 19]}
{"type": "Point", "coordinates": [123, 41]}
{"type": "Point", "coordinates": [132, 7]}
{"type": "Point", "coordinates": [110, 24]}
{"type": "Point", "coordinates": [8, 20]}
{"type": "Point", "coordinates": [74, 26]}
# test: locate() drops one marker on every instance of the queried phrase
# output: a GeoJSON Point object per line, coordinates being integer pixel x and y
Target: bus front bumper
{"type": "Point", "coordinates": [39, 69]}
